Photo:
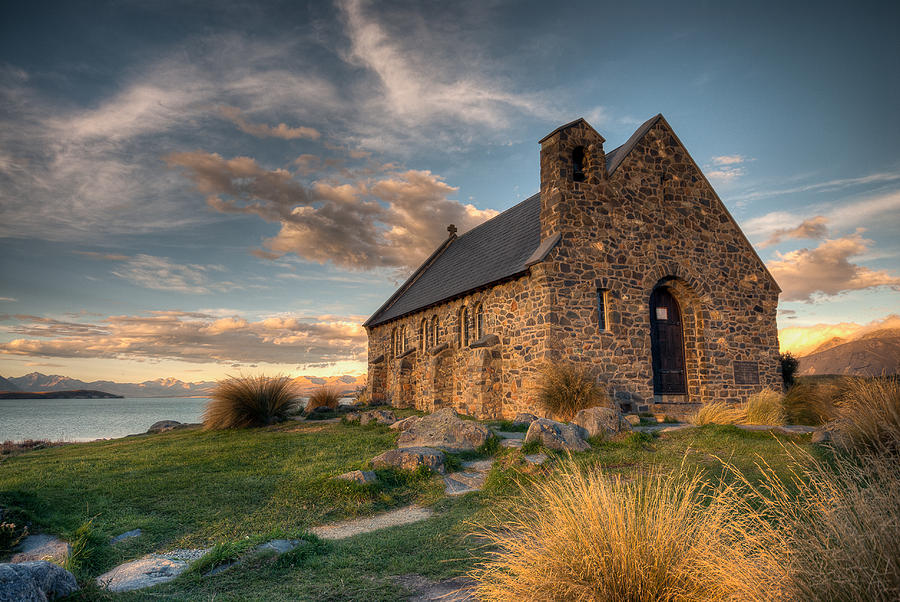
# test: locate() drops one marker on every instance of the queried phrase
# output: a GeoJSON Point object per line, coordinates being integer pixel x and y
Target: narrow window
{"type": "Point", "coordinates": [463, 327]}
{"type": "Point", "coordinates": [479, 322]}
{"type": "Point", "coordinates": [423, 335]}
{"type": "Point", "coordinates": [402, 339]}
{"type": "Point", "coordinates": [578, 164]}
{"type": "Point", "coordinates": [602, 308]}
{"type": "Point", "coordinates": [394, 342]}
{"type": "Point", "coordinates": [435, 337]}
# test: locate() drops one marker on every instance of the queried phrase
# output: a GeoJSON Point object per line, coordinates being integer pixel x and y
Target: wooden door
{"type": "Point", "coordinates": [667, 344]}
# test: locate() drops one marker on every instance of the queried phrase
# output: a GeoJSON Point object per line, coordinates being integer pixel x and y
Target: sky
{"type": "Point", "coordinates": [198, 189]}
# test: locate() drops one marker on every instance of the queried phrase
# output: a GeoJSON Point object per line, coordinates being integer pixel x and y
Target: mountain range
{"type": "Point", "coordinates": [162, 387]}
{"type": "Point", "coordinates": [875, 353]}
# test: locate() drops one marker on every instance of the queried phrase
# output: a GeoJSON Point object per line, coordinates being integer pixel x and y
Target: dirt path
{"type": "Point", "coordinates": [356, 526]}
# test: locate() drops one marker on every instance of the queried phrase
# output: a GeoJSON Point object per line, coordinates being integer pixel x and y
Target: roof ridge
{"type": "Point", "coordinates": [631, 143]}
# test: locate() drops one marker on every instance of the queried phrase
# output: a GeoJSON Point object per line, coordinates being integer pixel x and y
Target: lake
{"type": "Point", "coordinates": [88, 419]}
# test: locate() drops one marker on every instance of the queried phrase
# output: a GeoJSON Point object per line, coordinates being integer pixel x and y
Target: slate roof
{"type": "Point", "coordinates": [500, 248]}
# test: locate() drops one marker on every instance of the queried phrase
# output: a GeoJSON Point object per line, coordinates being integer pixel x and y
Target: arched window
{"type": "Point", "coordinates": [402, 342]}
{"type": "Point", "coordinates": [479, 321]}
{"type": "Point", "coordinates": [423, 335]}
{"type": "Point", "coordinates": [435, 333]}
{"type": "Point", "coordinates": [463, 326]}
{"type": "Point", "coordinates": [578, 164]}
{"type": "Point", "coordinates": [394, 342]}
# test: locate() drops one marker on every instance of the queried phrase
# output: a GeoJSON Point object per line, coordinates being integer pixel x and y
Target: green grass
{"type": "Point", "coordinates": [231, 489]}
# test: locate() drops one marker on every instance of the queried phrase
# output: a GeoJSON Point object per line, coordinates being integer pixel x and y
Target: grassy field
{"type": "Point", "coordinates": [192, 488]}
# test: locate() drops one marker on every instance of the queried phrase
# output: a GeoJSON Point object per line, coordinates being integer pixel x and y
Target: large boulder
{"type": "Point", "coordinates": [402, 425]}
{"type": "Point", "coordinates": [36, 581]}
{"type": "Point", "coordinates": [601, 421]}
{"type": "Point", "coordinates": [556, 435]}
{"type": "Point", "coordinates": [360, 477]}
{"type": "Point", "coordinates": [385, 417]}
{"type": "Point", "coordinates": [410, 458]}
{"type": "Point", "coordinates": [525, 418]}
{"type": "Point", "coordinates": [444, 430]}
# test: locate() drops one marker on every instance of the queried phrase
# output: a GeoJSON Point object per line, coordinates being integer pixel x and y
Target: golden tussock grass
{"type": "Point", "coordinates": [811, 403]}
{"type": "Point", "coordinates": [563, 389]}
{"type": "Point", "coordinates": [765, 407]}
{"type": "Point", "coordinates": [586, 535]}
{"type": "Point", "coordinates": [868, 415]}
{"type": "Point", "coordinates": [248, 401]}
{"type": "Point", "coordinates": [324, 397]}
{"type": "Point", "coordinates": [717, 412]}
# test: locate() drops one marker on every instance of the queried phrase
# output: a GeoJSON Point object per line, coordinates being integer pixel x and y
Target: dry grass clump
{"type": "Point", "coordinates": [565, 389]}
{"type": "Point", "coordinates": [323, 397]}
{"type": "Point", "coordinates": [248, 401]}
{"type": "Point", "coordinates": [765, 407]}
{"type": "Point", "coordinates": [869, 415]}
{"type": "Point", "coordinates": [717, 412]}
{"type": "Point", "coordinates": [811, 403]}
{"type": "Point", "coordinates": [590, 536]}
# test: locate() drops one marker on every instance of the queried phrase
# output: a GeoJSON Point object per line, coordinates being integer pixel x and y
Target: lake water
{"type": "Point", "coordinates": [88, 419]}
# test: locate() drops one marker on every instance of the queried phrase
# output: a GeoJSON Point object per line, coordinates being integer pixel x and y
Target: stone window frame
{"type": "Point", "coordinates": [603, 309]}
{"type": "Point", "coordinates": [463, 326]}
{"type": "Point", "coordinates": [435, 331]}
{"type": "Point", "coordinates": [579, 156]}
{"type": "Point", "coordinates": [394, 342]}
{"type": "Point", "coordinates": [478, 321]}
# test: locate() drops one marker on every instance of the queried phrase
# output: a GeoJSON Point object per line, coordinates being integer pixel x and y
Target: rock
{"type": "Point", "coordinates": [510, 434]}
{"type": "Point", "coordinates": [556, 435]}
{"type": "Point", "coordinates": [460, 483]}
{"type": "Point", "coordinates": [126, 535]}
{"type": "Point", "coordinates": [536, 459]}
{"type": "Point", "coordinates": [352, 416]}
{"type": "Point", "coordinates": [822, 436]}
{"type": "Point", "coordinates": [512, 443]}
{"type": "Point", "coordinates": [601, 421]}
{"type": "Point", "coordinates": [42, 547]}
{"type": "Point", "coordinates": [445, 430]}
{"type": "Point", "coordinates": [280, 546]}
{"type": "Point", "coordinates": [524, 418]}
{"type": "Point", "coordinates": [35, 581]}
{"type": "Point", "coordinates": [410, 458]}
{"type": "Point", "coordinates": [385, 417]}
{"type": "Point", "coordinates": [402, 425]}
{"type": "Point", "coordinates": [632, 419]}
{"type": "Point", "coordinates": [363, 477]}
{"type": "Point", "coordinates": [165, 425]}
{"type": "Point", "coordinates": [148, 571]}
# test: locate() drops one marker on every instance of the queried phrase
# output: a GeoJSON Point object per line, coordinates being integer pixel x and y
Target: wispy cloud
{"type": "Point", "coordinates": [808, 274]}
{"type": "Point", "coordinates": [261, 130]}
{"type": "Point", "coordinates": [161, 273]}
{"type": "Point", "coordinates": [814, 228]}
{"type": "Point", "coordinates": [8, 299]}
{"type": "Point", "coordinates": [726, 168]}
{"type": "Point", "coordinates": [192, 337]}
{"type": "Point", "coordinates": [829, 185]}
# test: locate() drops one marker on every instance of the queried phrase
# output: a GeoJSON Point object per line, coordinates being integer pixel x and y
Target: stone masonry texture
{"type": "Point", "coordinates": [655, 221]}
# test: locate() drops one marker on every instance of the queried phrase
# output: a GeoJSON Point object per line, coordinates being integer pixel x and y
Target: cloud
{"type": "Point", "coordinates": [160, 273]}
{"type": "Point", "coordinates": [192, 337]}
{"type": "Point", "coordinates": [261, 130]}
{"type": "Point", "coordinates": [826, 270]}
{"type": "Point", "coordinates": [727, 168]}
{"type": "Point", "coordinates": [105, 256]}
{"type": "Point", "coordinates": [8, 299]}
{"type": "Point", "coordinates": [393, 221]}
{"type": "Point", "coordinates": [828, 185]}
{"type": "Point", "coordinates": [728, 160]}
{"type": "Point", "coordinates": [814, 227]}
{"type": "Point", "coordinates": [802, 340]}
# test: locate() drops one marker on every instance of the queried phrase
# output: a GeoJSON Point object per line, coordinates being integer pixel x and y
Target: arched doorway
{"type": "Point", "coordinates": [667, 344]}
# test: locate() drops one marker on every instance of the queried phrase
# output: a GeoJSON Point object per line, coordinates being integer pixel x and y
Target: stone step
{"type": "Point", "coordinates": [357, 526]}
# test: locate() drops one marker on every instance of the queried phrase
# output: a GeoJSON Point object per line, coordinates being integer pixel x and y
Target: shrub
{"type": "Point", "coordinates": [564, 389]}
{"type": "Point", "coordinates": [789, 365]}
{"type": "Point", "coordinates": [717, 412]}
{"type": "Point", "coordinates": [765, 407]}
{"type": "Point", "coordinates": [323, 397]}
{"type": "Point", "coordinates": [11, 535]}
{"type": "Point", "coordinates": [869, 415]}
{"type": "Point", "coordinates": [591, 536]}
{"type": "Point", "coordinates": [248, 401]}
{"type": "Point", "coordinates": [811, 403]}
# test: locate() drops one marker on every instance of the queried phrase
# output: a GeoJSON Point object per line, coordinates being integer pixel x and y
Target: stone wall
{"type": "Point", "coordinates": [655, 222]}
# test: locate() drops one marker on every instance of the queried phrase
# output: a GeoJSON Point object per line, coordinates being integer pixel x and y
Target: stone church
{"type": "Point", "coordinates": [626, 261]}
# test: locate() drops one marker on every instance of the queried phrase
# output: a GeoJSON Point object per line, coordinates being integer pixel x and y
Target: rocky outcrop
{"type": "Point", "coordinates": [411, 458]}
{"type": "Point", "coordinates": [524, 418]}
{"type": "Point", "coordinates": [556, 435]}
{"type": "Point", "coordinates": [165, 425]}
{"type": "Point", "coordinates": [601, 421]}
{"type": "Point", "coordinates": [444, 430]}
{"type": "Point", "coordinates": [42, 547]}
{"type": "Point", "coordinates": [384, 417]}
{"type": "Point", "coordinates": [35, 581]}
{"type": "Point", "coordinates": [402, 425]}
{"type": "Point", "coordinates": [361, 477]}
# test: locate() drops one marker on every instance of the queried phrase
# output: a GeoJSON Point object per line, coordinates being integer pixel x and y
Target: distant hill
{"type": "Point", "coordinates": [6, 385]}
{"type": "Point", "coordinates": [76, 394]}
{"type": "Point", "coordinates": [871, 354]}
{"type": "Point", "coordinates": [162, 387]}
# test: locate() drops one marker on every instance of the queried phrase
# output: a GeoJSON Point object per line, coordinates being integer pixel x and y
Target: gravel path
{"type": "Point", "coordinates": [356, 526]}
